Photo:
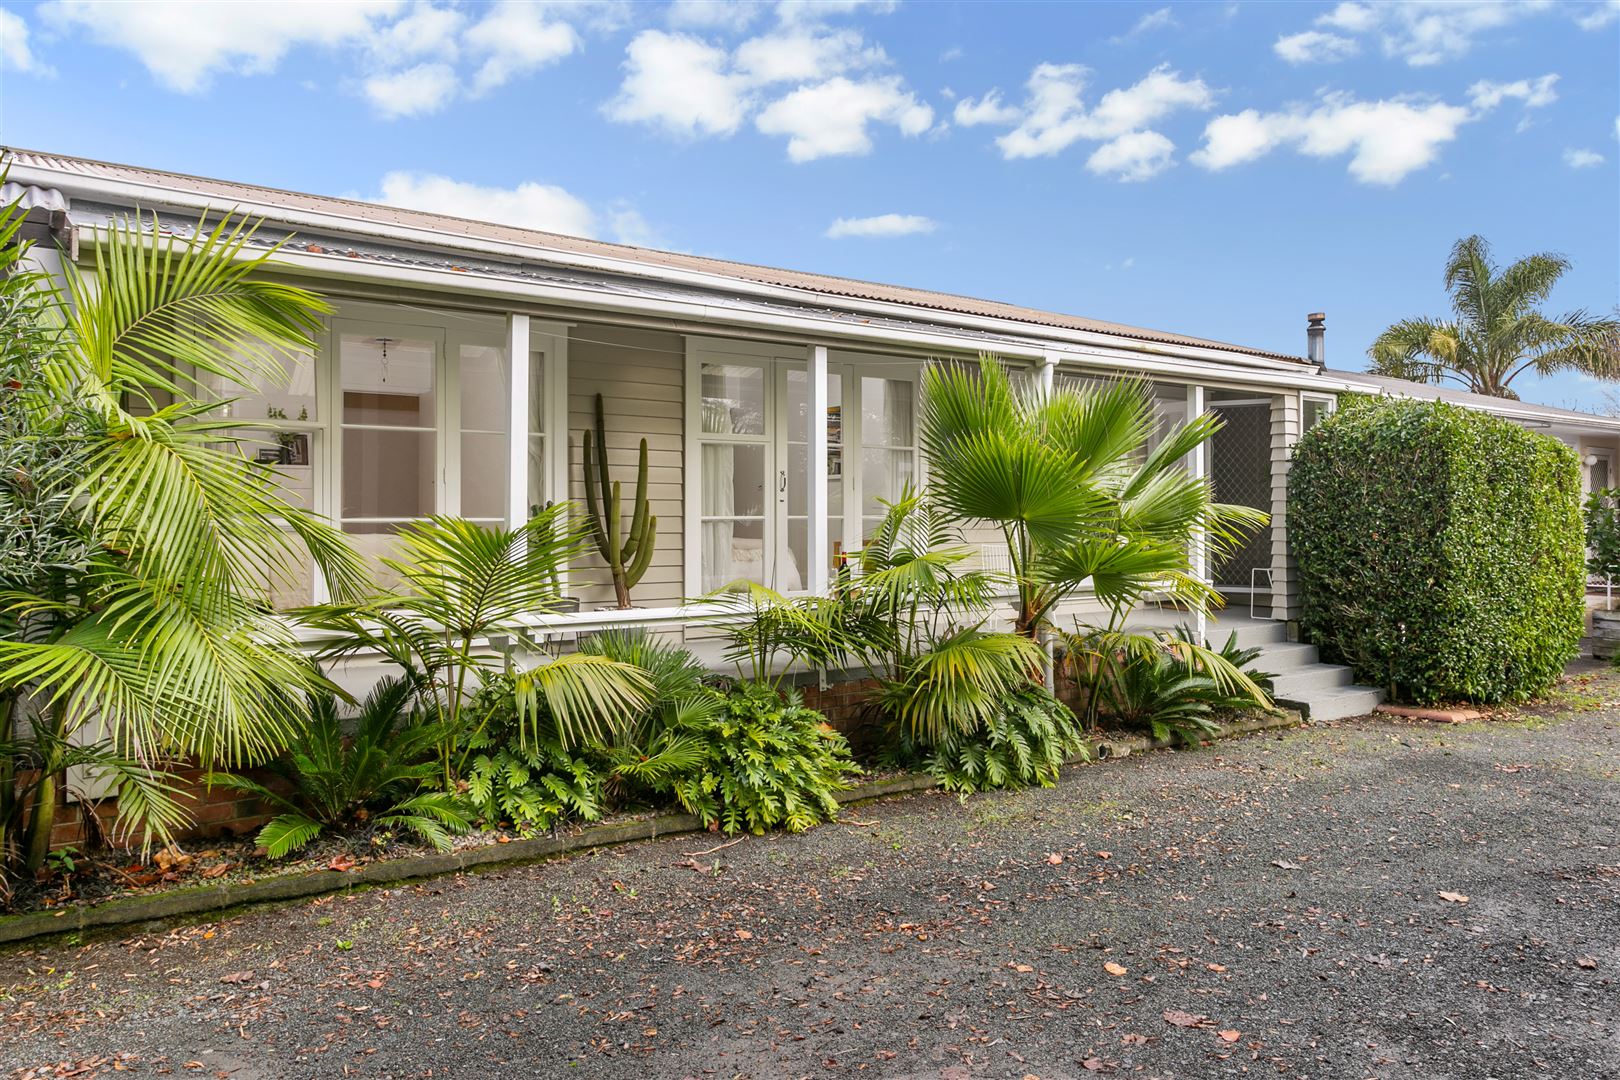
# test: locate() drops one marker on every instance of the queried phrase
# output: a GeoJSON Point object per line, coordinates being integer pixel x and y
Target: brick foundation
{"type": "Point", "coordinates": [216, 813]}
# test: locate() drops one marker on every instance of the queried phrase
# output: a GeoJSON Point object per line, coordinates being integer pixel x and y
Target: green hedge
{"type": "Point", "coordinates": [1440, 550]}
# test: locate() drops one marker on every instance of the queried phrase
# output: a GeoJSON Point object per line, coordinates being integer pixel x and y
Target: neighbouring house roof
{"type": "Point", "coordinates": [1516, 410]}
{"type": "Point", "coordinates": [468, 231]}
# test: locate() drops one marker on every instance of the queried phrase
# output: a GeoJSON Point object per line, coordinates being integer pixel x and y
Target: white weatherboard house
{"type": "Point", "coordinates": [461, 365]}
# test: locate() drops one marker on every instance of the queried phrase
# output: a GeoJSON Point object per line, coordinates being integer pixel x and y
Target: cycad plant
{"type": "Point", "coordinates": [371, 771]}
{"type": "Point", "coordinates": [1068, 479]}
{"type": "Point", "coordinates": [455, 619]}
{"type": "Point", "coordinates": [1497, 331]}
{"type": "Point", "coordinates": [138, 537]}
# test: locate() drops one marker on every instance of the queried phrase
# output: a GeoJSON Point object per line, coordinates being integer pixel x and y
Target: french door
{"type": "Point", "coordinates": [753, 470]}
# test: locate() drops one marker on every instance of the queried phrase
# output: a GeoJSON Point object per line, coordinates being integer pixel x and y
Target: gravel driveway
{"type": "Point", "coordinates": [1370, 899]}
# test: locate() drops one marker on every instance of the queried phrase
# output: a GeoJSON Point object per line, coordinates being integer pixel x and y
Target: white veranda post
{"type": "Point", "coordinates": [817, 553]}
{"type": "Point", "coordinates": [1198, 465]}
{"type": "Point", "coordinates": [517, 420]}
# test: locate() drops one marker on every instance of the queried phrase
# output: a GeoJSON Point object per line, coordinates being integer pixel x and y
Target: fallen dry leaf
{"type": "Point", "coordinates": [1093, 1065]}
{"type": "Point", "coordinates": [1588, 962]}
{"type": "Point", "coordinates": [1023, 968]}
{"type": "Point", "coordinates": [1184, 1019]}
{"type": "Point", "coordinates": [1286, 865]}
{"type": "Point", "coordinates": [1215, 967]}
{"type": "Point", "coordinates": [1131, 1038]}
{"type": "Point", "coordinates": [1113, 968]}
{"type": "Point", "coordinates": [745, 935]}
{"type": "Point", "coordinates": [217, 869]}
{"type": "Point", "coordinates": [1230, 1036]}
{"type": "Point", "coordinates": [236, 977]}
{"type": "Point", "coordinates": [1054, 859]}
{"type": "Point", "coordinates": [1454, 897]}
{"type": "Point", "coordinates": [1105, 854]}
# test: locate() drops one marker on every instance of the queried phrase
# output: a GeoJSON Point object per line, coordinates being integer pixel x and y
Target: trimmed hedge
{"type": "Point", "coordinates": [1440, 550]}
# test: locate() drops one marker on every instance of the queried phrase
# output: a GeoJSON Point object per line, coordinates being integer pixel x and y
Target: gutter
{"type": "Point", "coordinates": [132, 191]}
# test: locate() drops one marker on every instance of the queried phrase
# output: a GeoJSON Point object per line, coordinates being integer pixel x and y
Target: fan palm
{"type": "Point", "coordinates": [462, 585]}
{"type": "Point", "coordinates": [1068, 480]}
{"type": "Point", "coordinates": [140, 606]}
{"type": "Point", "coordinates": [1497, 331]}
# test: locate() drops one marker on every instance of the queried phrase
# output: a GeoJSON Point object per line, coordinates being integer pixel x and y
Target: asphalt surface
{"type": "Point", "coordinates": [1370, 899]}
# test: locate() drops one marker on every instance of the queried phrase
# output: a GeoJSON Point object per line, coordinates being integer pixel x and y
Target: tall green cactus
{"type": "Point", "coordinates": [629, 557]}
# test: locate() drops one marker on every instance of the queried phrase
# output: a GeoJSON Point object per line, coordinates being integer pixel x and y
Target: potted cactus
{"type": "Point", "coordinates": [628, 552]}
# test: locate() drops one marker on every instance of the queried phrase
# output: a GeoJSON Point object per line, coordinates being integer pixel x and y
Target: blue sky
{"type": "Point", "coordinates": [1219, 169]}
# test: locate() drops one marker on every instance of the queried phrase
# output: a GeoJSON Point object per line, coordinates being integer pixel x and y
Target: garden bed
{"type": "Point", "coordinates": [216, 876]}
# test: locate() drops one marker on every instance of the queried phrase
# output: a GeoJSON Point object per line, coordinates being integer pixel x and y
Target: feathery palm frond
{"type": "Point", "coordinates": [1497, 331]}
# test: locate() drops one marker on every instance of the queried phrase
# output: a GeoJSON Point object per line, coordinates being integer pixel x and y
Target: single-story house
{"type": "Point", "coordinates": [460, 368]}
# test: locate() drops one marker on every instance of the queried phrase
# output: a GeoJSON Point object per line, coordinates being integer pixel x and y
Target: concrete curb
{"type": "Point", "coordinates": [183, 902]}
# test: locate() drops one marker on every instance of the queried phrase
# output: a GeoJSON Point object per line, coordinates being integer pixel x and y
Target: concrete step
{"type": "Point", "coordinates": [1284, 656]}
{"type": "Point", "coordinates": [1251, 633]}
{"type": "Point", "coordinates": [1308, 683]}
{"type": "Point", "coordinates": [1346, 701]}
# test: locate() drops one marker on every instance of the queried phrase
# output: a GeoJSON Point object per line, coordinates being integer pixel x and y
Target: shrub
{"type": "Point", "coordinates": [1025, 742]}
{"type": "Point", "coordinates": [374, 778]}
{"type": "Point", "coordinates": [530, 779]}
{"type": "Point", "coordinates": [763, 761]}
{"type": "Point", "coordinates": [1440, 550]}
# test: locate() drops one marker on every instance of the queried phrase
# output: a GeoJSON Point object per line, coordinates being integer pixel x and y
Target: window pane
{"type": "Point", "coordinates": [291, 396]}
{"type": "Point", "coordinates": [537, 393]}
{"type": "Point", "coordinates": [886, 412]}
{"type": "Point", "coordinates": [733, 550]}
{"type": "Point", "coordinates": [884, 473]}
{"type": "Point", "coordinates": [388, 474]}
{"type": "Point", "coordinates": [483, 388]}
{"type": "Point", "coordinates": [733, 481]}
{"type": "Point", "coordinates": [733, 399]}
{"type": "Point", "coordinates": [388, 381]}
{"type": "Point", "coordinates": [795, 575]}
{"type": "Point", "coordinates": [483, 475]}
{"type": "Point", "coordinates": [537, 472]}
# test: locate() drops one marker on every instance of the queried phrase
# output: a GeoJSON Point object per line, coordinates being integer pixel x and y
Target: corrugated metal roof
{"type": "Point", "coordinates": [468, 229]}
{"type": "Point", "coordinates": [1505, 406]}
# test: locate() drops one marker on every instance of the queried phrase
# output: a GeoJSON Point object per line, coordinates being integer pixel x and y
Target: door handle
{"type": "Point", "coordinates": [781, 482]}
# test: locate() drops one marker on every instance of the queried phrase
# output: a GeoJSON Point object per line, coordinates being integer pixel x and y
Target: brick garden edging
{"type": "Point", "coordinates": [206, 898]}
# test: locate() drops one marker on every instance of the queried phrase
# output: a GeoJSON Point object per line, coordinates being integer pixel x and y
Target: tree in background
{"type": "Point", "coordinates": [1497, 330]}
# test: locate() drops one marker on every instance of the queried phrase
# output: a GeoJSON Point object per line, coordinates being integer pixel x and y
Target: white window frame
{"type": "Point", "coordinates": [545, 340]}
{"type": "Point", "coordinates": [1329, 403]}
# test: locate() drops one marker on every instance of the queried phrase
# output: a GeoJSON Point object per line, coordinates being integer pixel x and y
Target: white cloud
{"type": "Point", "coordinates": [881, 225]}
{"type": "Point", "coordinates": [732, 15]}
{"type": "Point", "coordinates": [692, 87]}
{"type": "Point", "coordinates": [426, 31]}
{"type": "Point", "coordinates": [1535, 93]}
{"type": "Point", "coordinates": [425, 88]}
{"type": "Point", "coordinates": [802, 56]}
{"type": "Point", "coordinates": [517, 38]}
{"type": "Point", "coordinates": [1352, 17]}
{"type": "Point", "coordinates": [1136, 155]}
{"type": "Point", "coordinates": [1315, 47]}
{"type": "Point", "coordinates": [989, 109]}
{"type": "Point", "coordinates": [1162, 19]}
{"type": "Point", "coordinates": [834, 117]}
{"type": "Point", "coordinates": [1422, 32]}
{"type": "Point", "coordinates": [792, 12]}
{"type": "Point", "coordinates": [529, 205]}
{"type": "Point", "coordinates": [680, 83]}
{"type": "Point", "coordinates": [1577, 158]}
{"type": "Point", "coordinates": [1054, 115]}
{"type": "Point", "coordinates": [184, 44]}
{"type": "Point", "coordinates": [1599, 15]}
{"type": "Point", "coordinates": [15, 54]}
{"type": "Point", "coordinates": [1385, 140]}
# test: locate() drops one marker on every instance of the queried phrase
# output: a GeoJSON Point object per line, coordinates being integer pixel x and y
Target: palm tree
{"type": "Point", "coordinates": [1497, 331]}
{"type": "Point", "coordinates": [462, 588]}
{"type": "Point", "coordinates": [1079, 499]}
{"type": "Point", "coordinates": [134, 628]}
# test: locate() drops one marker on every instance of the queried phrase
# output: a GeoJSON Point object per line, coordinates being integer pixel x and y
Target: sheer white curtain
{"type": "Point", "coordinates": [719, 489]}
